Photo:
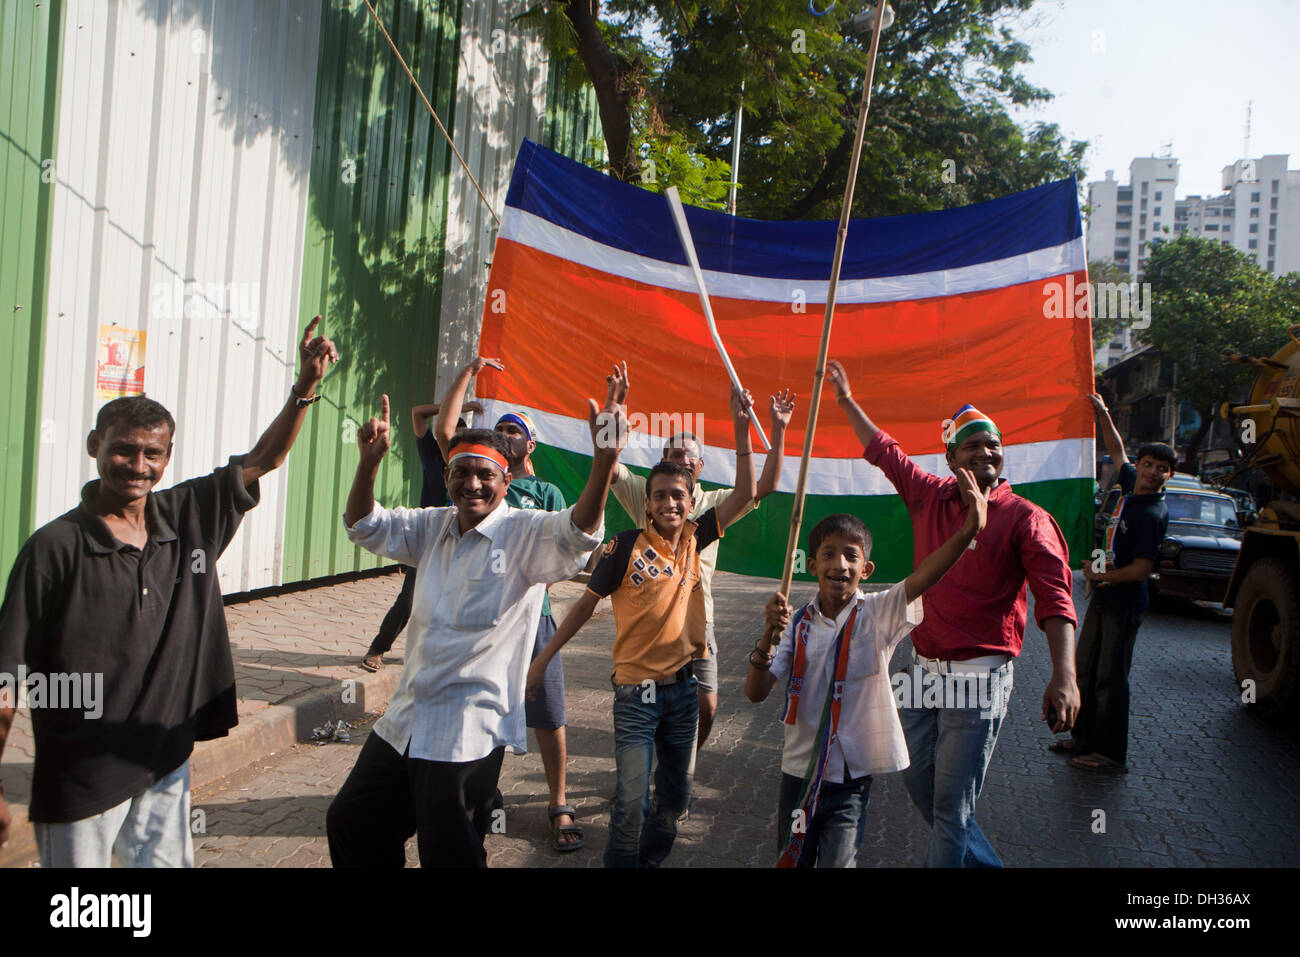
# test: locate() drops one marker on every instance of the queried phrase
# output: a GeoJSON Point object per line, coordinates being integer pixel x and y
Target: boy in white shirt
{"type": "Point", "coordinates": [841, 718]}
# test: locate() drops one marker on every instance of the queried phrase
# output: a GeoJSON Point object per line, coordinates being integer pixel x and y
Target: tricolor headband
{"type": "Point", "coordinates": [967, 422]}
{"type": "Point", "coordinates": [480, 452]}
{"type": "Point", "coordinates": [521, 420]}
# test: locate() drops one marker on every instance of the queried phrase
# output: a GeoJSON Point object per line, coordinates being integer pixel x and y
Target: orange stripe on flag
{"type": "Point", "coordinates": [560, 327]}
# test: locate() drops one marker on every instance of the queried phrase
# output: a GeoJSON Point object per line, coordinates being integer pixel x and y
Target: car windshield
{"type": "Point", "coordinates": [1202, 509]}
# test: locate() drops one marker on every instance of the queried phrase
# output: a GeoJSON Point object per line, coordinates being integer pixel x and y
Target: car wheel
{"type": "Point", "coordinates": [1266, 637]}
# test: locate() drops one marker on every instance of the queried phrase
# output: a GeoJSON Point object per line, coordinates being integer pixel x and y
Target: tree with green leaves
{"type": "Point", "coordinates": [1210, 304]}
{"type": "Point", "coordinates": [669, 76]}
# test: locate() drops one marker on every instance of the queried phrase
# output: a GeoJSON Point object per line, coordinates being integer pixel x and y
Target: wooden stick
{"type": "Point", "coordinates": [429, 106]}
{"type": "Point", "coordinates": [819, 376]}
{"type": "Point", "coordinates": [684, 233]}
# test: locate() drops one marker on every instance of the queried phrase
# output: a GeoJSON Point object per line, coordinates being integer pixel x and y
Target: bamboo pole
{"type": "Point", "coordinates": [819, 375]}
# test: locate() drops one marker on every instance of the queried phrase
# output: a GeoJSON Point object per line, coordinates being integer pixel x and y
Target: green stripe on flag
{"type": "Point", "coordinates": [756, 544]}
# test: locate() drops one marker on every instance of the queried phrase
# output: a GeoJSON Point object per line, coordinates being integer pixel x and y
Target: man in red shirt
{"type": "Point", "coordinates": [974, 622]}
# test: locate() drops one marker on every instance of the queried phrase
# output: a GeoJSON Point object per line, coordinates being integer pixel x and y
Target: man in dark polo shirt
{"type": "Point", "coordinates": [1099, 741]}
{"type": "Point", "coordinates": [125, 587]}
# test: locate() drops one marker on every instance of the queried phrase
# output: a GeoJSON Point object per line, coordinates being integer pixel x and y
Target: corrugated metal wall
{"type": "Point", "coordinates": [374, 254]}
{"type": "Point", "coordinates": [184, 142]}
{"type": "Point", "coordinates": [501, 100]}
{"type": "Point", "coordinates": [212, 191]}
{"type": "Point", "coordinates": [29, 66]}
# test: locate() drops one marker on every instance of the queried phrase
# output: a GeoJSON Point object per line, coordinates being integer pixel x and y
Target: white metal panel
{"type": "Point", "coordinates": [184, 151]}
{"type": "Point", "coordinates": [500, 101]}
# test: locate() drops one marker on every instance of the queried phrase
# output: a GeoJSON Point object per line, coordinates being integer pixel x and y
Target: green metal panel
{"type": "Point", "coordinates": [572, 116]}
{"type": "Point", "coordinates": [372, 263]}
{"type": "Point", "coordinates": [30, 41]}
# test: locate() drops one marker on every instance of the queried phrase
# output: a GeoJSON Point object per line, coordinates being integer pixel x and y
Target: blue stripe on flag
{"type": "Point", "coordinates": [626, 217]}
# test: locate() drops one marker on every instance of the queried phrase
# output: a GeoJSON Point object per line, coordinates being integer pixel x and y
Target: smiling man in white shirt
{"type": "Point", "coordinates": [431, 766]}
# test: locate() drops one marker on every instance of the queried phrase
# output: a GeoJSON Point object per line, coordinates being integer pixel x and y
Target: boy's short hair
{"type": "Point", "coordinates": [675, 469]}
{"type": "Point", "coordinates": [1160, 452]}
{"type": "Point", "coordinates": [133, 411]}
{"type": "Point", "coordinates": [849, 526]}
{"type": "Point", "coordinates": [488, 437]}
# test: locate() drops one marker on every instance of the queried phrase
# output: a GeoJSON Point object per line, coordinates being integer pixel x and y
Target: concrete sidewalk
{"type": "Point", "coordinates": [297, 665]}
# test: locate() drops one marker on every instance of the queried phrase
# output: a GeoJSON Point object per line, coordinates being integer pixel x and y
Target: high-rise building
{"type": "Point", "coordinates": [1258, 213]}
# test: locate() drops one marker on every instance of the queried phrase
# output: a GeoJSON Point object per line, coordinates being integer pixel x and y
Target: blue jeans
{"type": "Point", "coordinates": [835, 833]}
{"type": "Point", "coordinates": [950, 750]}
{"type": "Point", "coordinates": [151, 829]}
{"type": "Point", "coordinates": [650, 718]}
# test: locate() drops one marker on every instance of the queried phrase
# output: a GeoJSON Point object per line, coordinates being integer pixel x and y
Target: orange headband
{"type": "Point", "coordinates": [481, 452]}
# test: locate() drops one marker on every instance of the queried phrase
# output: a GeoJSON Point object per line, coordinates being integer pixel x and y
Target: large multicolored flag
{"type": "Point", "coordinates": [985, 304]}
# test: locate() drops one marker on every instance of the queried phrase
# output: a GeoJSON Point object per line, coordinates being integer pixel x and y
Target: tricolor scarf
{"type": "Point", "coordinates": [827, 728]}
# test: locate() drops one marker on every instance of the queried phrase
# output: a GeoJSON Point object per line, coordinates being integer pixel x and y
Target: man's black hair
{"type": "Point", "coordinates": [675, 469]}
{"type": "Point", "coordinates": [849, 526]}
{"type": "Point", "coordinates": [1160, 452]}
{"type": "Point", "coordinates": [133, 412]}
{"type": "Point", "coordinates": [493, 440]}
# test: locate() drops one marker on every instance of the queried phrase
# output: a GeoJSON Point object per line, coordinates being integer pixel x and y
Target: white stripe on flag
{"type": "Point", "coordinates": [532, 230]}
{"type": "Point", "coordinates": [1028, 462]}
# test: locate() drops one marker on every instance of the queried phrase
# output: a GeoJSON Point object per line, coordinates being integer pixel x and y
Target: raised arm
{"type": "Point", "coordinates": [863, 427]}
{"type": "Point", "coordinates": [1109, 434]}
{"type": "Point", "coordinates": [578, 616]}
{"type": "Point", "coordinates": [731, 507]}
{"type": "Point", "coordinates": [759, 679]}
{"type": "Point", "coordinates": [782, 409]}
{"type": "Point", "coordinates": [316, 355]}
{"type": "Point", "coordinates": [608, 426]}
{"type": "Point", "coordinates": [373, 440]}
{"type": "Point", "coordinates": [937, 563]}
{"type": "Point", "coordinates": [454, 401]}
{"type": "Point", "coordinates": [422, 413]}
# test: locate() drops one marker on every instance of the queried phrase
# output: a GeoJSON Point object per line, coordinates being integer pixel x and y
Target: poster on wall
{"type": "Point", "coordinates": [119, 362]}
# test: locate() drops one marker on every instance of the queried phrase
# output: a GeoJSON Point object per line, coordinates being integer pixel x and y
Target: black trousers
{"type": "Point", "coordinates": [397, 616]}
{"type": "Point", "coordinates": [1102, 662]}
{"type": "Point", "coordinates": [388, 797]}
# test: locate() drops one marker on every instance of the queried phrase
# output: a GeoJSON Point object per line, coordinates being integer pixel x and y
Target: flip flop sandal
{"type": "Point", "coordinates": [1065, 747]}
{"type": "Point", "coordinates": [372, 662]}
{"type": "Point", "coordinates": [1098, 763]}
{"type": "Point", "coordinates": [565, 830]}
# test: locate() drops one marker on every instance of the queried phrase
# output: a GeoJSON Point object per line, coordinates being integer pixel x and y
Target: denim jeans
{"type": "Point", "coordinates": [950, 750]}
{"type": "Point", "coordinates": [151, 829]}
{"type": "Point", "coordinates": [648, 719]}
{"type": "Point", "coordinates": [1102, 661]}
{"type": "Point", "coordinates": [835, 833]}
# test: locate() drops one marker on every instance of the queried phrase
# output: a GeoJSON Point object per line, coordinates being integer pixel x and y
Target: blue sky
{"type": "Point", "coordinates": [1133, 75]}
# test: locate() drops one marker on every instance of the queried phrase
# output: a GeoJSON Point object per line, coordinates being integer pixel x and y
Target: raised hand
{"type": "Point", "coordinates": [373, 437]}
{"type": "Point", "coordinates": [777, 612]}
{"type": "Point", "coordinates": [1098, 403]}
{"type": "Point", "coordinates": [975, 500]}
{"type": "Point", "coordinates": [839, 380]}
{"type": "Point", "coordinates": [480, 363]}
{"type": "Point", "coordinates": [317, 354]}
{"type": "Point", "coordinates": [608, 423]}
{"type": "Point", "coordinates": [782, 409]}
{"type": "Point", "coordinates": [741, 404]}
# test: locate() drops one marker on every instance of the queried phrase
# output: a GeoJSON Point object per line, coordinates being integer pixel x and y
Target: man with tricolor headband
{"type": "Point", "coordinates": [974, 621]}
{"type": "Point", "coordinates": [545, 713]}
{"type": "Point", "coordinates": [432, 764]}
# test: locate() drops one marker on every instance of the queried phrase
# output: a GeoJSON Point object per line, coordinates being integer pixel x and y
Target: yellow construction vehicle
{"type": "Point", "coordinates": [1264, 591]}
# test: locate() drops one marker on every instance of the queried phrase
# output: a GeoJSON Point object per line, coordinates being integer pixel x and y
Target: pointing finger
{"type": "Point", "coordinates": [311, 327]}
{"type": "Point", "coordinates": [383, 406]}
